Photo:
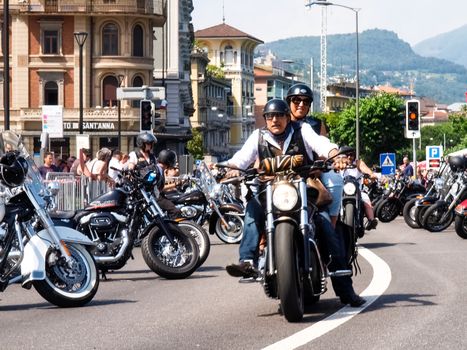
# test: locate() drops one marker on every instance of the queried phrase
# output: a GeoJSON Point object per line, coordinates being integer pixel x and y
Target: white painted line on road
{"type": "Point", "coordinates": [378, 285]}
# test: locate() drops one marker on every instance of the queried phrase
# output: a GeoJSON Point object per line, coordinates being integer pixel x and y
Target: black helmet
{"type": "Point", "coordinates": [145, 137]}
{"type": "Point", "coordinates": [167, 157]}
{"type": "Point", "coordinates": [276, 105]}
{"type": "Point", "coordinates": [457, 163]}
{"type": "Point", "coordinates": [13, 171]}
{"type": "Point", "coordinates": [299, 90]}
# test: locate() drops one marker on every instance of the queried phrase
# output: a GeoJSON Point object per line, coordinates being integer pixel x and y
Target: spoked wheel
{"type": "Point", "coordinates": [201, 237]}
{"type": "Point", "coordinates": [69, 284]}
{"type": "Point", "coordinates": [289, 279]}
{"type": "Point", "coordinates": [435, 219]}
{"type": "Point", "coordinates": [388, 210]}
{"type": "Point", "coordinates": [233, 231]}
{"type": "Point", "coordinates": [171, 261]}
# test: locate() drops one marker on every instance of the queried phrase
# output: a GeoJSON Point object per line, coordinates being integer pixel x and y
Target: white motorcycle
{"type": "Point", "coordinates": [32, 250]}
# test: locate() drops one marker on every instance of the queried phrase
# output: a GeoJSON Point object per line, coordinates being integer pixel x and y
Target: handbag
{"type": "Point", "coordinates": [324, 196]}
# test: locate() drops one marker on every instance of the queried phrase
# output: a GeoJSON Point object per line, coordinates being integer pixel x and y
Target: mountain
{"type": "Point", "coordinates": [383, 59]}
{"type": "Point", "coordinates": [451, 46]}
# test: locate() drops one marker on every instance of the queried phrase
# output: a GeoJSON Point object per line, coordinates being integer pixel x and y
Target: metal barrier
{"type": "Point", "coordinates": [75, 191]}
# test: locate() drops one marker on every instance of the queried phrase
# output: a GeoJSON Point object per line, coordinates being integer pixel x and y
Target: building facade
{"type": "Point", "coordinates": [233, 51]}
{"type": "Point", "coordinates": [45, 61]}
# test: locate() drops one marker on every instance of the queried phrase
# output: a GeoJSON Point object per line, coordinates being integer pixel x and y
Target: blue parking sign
{"type": "Point", "coordinates": [387, 162]}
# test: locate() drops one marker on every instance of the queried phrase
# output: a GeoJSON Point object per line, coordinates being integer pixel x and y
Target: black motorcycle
{"type": "Point", "coordinates": [203, 199]}
{"type": "Point", "coordinates": [403, 190]}
{"type": "Point", "coordinates": [114, 220]}
{"type": "Point", "coordinates": [291, 266]}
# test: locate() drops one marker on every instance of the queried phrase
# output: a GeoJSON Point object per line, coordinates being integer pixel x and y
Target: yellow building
{"type": "Point", "coordinates": [233, 51]}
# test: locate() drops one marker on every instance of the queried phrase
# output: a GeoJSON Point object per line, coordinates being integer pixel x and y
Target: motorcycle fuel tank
{"type": "Point", "coordinates": [111, 199]}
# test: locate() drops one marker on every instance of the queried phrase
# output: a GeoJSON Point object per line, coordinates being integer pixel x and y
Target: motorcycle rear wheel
{"type": "Point", "coordinates": [67, 286]}
{"type": "Point", "coordinates": [201, 237]}
{"type": "Point", "coordinates": [289, 279]}
{"type": "Point", "coordinates": [170, 261]}
{"type": "Point", "coordinates": [432, 218]}
{"type": "Point", "coordinates": [409, 213]}
{"type": "Point", "coordinates": [461, 226]}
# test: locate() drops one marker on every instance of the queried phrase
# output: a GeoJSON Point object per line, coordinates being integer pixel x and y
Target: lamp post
{"type": "Point", "coordinates": [80, 38]}
{"type": "Point", "coordinates": [6, 64]}
{"type": "Point", "coordinates": [120, 78]}
{"type": "Point", "coordinates": [357, 68]}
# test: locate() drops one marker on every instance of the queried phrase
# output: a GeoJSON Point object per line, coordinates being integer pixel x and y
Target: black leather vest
{"type": "Point", "coordinates": [296, 145]}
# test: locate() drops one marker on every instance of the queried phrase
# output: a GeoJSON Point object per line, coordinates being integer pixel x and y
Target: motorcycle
{"type": "Point", "coordinates": [460, 221]}
{"type": "Point", "coordinates": [129, 212]}
{"type": "Point", "coordinates": [54, 260]}
{"type": "Point", "coordinates": [403, 190]}
{"type": "Point", "coordinates": [291, 266]}
{"type": "Point", "coordinates": [203, 200]}
{"type": "Point", "coordinates": [440, 215]}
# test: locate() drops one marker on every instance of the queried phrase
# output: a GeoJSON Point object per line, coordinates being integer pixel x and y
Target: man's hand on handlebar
{"type": "Point", "coordinates": [232, 173]}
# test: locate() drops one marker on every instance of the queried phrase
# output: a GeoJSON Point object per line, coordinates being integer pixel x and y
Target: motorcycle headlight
{"type": "Point", "coordinates": [285, 197]}
{"type": "Point", "coordinates": [439, 183]}
{"type": "Point", "coordinates": [350, 189]}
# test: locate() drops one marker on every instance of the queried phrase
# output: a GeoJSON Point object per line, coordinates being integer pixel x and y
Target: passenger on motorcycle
{"type": "Point", "coordinates": [299, 98]}
{"type": "Point", "coordinates": [357, 171]}
{"type": "Point", "coordinates": [280, 136]}
{"type": "Point", "coordinates": [143, 156]}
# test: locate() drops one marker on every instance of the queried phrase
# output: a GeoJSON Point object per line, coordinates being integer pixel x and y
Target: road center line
{"type": "Point", "coordinates": [378, 285]}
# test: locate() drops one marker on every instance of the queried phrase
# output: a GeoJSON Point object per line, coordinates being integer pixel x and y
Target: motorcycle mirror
{"type": "Point", "coordinates": [346, 150]}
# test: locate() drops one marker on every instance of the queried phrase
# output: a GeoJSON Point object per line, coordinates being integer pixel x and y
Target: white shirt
{"type": "Point", "coordinates": [114, 163]}
{"type": "Point", "coordinates": [312, 141]}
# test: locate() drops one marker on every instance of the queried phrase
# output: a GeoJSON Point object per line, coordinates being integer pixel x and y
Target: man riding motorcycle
{"type": "Point", "coordinates": [281, 136]}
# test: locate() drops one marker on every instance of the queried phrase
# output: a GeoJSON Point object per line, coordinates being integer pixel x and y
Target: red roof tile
{"type": "Point", "coordinates": [224, 31]}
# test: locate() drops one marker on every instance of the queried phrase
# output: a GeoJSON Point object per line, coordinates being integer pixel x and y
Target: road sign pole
{"type": "Point", "coordinates": [414, 159]}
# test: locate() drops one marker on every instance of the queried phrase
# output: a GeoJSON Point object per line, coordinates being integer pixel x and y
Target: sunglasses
{"type": "Point", "coordinates": [297, 100]}
{"type": "Point", "coordinates": [271, 116]}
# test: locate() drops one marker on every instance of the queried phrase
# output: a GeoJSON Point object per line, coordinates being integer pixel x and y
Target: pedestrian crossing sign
{"type": "Point", "coordinates": [387, 163]}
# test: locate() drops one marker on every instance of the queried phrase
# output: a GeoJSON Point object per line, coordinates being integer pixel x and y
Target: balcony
{"type": "Point", "coordinates": [100, 7]}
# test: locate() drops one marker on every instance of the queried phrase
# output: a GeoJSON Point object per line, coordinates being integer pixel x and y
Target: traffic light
{"type": "Point", "coordinates": [146, 109]}
{"type": "Point", "coordinates": [412, 118]}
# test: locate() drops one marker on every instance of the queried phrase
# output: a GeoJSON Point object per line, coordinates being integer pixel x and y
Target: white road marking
{"type": "Point", "coordinates": [378, 285]}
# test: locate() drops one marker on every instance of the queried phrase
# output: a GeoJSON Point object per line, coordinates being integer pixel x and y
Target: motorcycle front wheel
{"type": "Point", "coordinates": [233, 232]}
{"type": "Point", "coordinates": [388, 210]}
{"type": "Point", "coordinates": [409, 213]}
{"type": "Point", "coordinates": [289, 281]}
{"type": "Point", "coordinates": [69, 285]}
{"type": "Point", "coordinates": [171, 261]}
{"type": "Point", "coordinates": [461, 226]}
{"type": "Point", "coordinates": [432, 220]}
{"type": "Point", "coordinates": [201, 237]}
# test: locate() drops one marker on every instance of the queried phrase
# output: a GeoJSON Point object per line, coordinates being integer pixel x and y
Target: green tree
{"type": "Point", "coordinates": [381, 126]}
{"type": "Point", "coordinates": [195, 145]}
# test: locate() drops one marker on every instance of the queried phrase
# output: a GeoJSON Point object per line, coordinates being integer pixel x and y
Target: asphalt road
{"type": "Point", "coordinates": [424, 307]}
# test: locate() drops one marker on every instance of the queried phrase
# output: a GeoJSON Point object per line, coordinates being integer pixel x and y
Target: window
{"type": "Point", "coordinates": [138, 47]}
{"type": "Point", "coordinates": [51, 93]}
{"type": "Point", "coordinates": [51, 37]}
{"type": "Point", "coordinates": [228, 54]}
{"type": "Point", "coordinates": [109, 85]}
{"type": "Point", "coordinates": [110, 40]}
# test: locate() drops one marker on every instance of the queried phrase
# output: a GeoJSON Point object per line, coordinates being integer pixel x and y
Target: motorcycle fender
{"type": "Point", "coordinates": [286, 219]}
{"type": "Point", "coordinates": [225, 208]}
{"type": "Point", "coordinates": [461, 209]}
{"type": "Point", "coordinates": [33, 264]}
{"type": "Point", "coordinates": [412, 196]}
{"type": "Point", "coordinates": [425, 201]}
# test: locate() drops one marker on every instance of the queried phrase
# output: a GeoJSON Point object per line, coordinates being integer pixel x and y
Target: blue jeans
{"type": "Point", "coordinates": [255, 219]}
{"type": "Point", "coordinates": [334, 183]}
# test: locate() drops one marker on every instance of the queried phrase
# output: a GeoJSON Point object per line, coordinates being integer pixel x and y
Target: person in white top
{"type": "Point", "coordinates": [115, 165]}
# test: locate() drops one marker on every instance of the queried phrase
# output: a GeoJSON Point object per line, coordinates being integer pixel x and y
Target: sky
{"type": "Point", "coordinates": [412, 20]}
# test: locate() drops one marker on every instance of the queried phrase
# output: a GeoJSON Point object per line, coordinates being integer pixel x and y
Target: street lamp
{"type": "Point", "coordinates": [357, 68]}
{"type": "Point", "coordinates": [120, 78]}
{"type": "Point", "coordinates": [80, 38]}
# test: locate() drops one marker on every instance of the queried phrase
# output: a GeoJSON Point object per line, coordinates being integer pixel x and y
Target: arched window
{"type": "Point", "coordinates": [137, 82]}
{"type": "Point", "coordinates": [51, 93]}
{"type": "Point", "coordinates": [228, 54]}
{"type": "Point", "coordinates": [138, 40]}
{"type": "Point", "coordinates": [110, 40]}
{"type": "Point", "coordinates": [109, 91]}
